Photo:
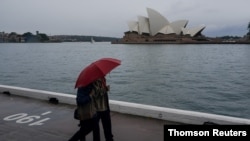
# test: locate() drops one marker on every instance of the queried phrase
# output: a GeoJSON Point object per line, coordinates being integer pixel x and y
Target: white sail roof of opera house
{"type": "Point", "coordinates": [178, 25]}
{"type": "Point", "coordinates": [133, 26]}
{"type": "Point", "coordinates": [167, 30]}
{"type": "Point", "coordinates": [193, 31]}
{"type": "Point", "coordinates": [143, 25]}
{"type": "Point", "coordinates": [156, 23]}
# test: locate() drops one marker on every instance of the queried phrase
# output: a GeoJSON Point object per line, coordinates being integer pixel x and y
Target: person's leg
{"type": "Point", "coordinates": [96, 128]}
{"type": "Point", "coordinates": [79, 134]}
{"type": "Point", "coordinates": [86, 127]}
{"type": "Point", "coordinates": [83, 138]}
{"type": "Point", "coordinates": [76, 136]}
{"type": "Point", "coordinates": [107, 126]}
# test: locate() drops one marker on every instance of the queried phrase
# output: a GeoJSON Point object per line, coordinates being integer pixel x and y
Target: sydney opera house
{"type": "Point", "coordinates": [155, 23]}
{"type": "Point", "coordinates": [157, 29]}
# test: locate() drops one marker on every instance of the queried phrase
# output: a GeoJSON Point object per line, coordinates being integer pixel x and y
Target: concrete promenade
{"type": "Point", "coordinates": [35, 115]}
{"type": "Point", "coordinates": [25, 119]}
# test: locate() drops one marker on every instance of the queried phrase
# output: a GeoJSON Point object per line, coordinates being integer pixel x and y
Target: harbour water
{"type": "Point", "coordinates": [206, 78]}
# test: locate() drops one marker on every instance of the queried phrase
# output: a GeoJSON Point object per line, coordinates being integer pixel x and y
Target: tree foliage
{"type": "Point", "coordinates": [44, 37]}
{"type": "Point", "coordinates": [248, 27]}
{"type": "Point", "coordinates": [27, 34]}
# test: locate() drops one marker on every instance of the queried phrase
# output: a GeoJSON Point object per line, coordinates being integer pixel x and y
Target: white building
{"type": "Point", "coordinates": [156, 23]}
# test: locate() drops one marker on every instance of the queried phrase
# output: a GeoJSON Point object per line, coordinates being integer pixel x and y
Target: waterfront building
{"type": "Point", "coordinates": [157, 29]}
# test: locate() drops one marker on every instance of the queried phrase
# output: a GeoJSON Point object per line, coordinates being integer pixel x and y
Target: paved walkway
{"type": "Point", "coordinates": [25, 119]}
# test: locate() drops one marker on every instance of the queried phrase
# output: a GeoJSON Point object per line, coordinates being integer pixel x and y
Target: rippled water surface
{"type": "Point", "coordinates": [206, 78]}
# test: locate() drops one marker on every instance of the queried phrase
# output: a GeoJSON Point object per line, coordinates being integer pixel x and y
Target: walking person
{"type": "Point", "coordinates": [86, 113]}
{"type": "Point", "coordinates": [91, 74]}
{"type": "Point", "coordinates": [102, 107]}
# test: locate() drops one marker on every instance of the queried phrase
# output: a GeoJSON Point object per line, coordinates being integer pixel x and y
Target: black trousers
{"type": "Point", "coordinates": [86, 126]}
{"type": "Point", "coordinates": [104, 116]}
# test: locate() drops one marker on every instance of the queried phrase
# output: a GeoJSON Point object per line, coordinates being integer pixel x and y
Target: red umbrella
{"type": "Point", "coordinates": [96, 70]}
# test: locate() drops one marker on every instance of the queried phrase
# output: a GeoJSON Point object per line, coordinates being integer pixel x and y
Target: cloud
{"type": "Point", "coordinates": [109, 17]}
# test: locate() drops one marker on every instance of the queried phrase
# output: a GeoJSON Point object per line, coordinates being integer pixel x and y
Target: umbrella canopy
{"type": "Point", "coordinates": [96, 70]}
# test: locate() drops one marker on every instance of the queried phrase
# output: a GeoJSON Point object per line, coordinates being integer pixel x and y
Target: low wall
{"type": "Point", "coordinates": [168, 114]}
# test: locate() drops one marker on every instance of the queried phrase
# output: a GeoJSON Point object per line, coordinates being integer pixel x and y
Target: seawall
{"type": "Point", "coordinates": [168, 114]}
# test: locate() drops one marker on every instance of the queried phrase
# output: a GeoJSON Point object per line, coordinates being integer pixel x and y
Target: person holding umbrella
{"type": "Point", "coordinates": [86, 113]}
{"type": "Point", "coordinates": [101, 101]}
{"type": "Point", "coordinates": [95, 74]}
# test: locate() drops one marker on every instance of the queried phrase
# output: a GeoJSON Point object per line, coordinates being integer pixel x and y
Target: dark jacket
{"type": "Point", "coordinates": [85, 104]}
{"type": "Point", "coordinates": [83, 95]}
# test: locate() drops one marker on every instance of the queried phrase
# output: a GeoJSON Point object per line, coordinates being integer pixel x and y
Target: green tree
{"type": "Point", "coordinates": [12, 37]}
{"type": "Point", "coordinates": [27, 34]}
{"type": "Point", "coordinates": [12, 34]}
{"type": "Point", "coordinates": [44, 37]}
{"type": "Point", "coordinates": [248, 27]}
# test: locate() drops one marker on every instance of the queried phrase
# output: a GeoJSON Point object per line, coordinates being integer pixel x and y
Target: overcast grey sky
{"type": "Point", "coordinates": [110, 17]}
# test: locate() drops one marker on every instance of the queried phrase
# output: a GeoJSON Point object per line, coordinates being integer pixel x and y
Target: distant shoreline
{"type": "Point", "coordinates": [195, 42]}
{"type": "Point", "coordinates": [135, 38]}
